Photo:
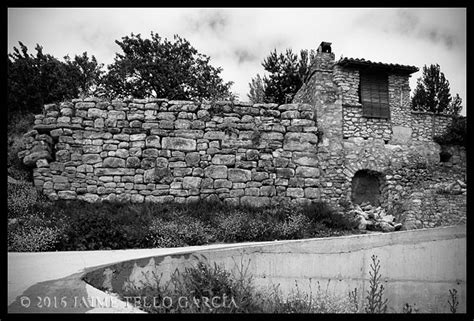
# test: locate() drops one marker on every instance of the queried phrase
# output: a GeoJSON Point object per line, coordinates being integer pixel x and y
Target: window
{"type": "Point", "coordinates": [373, 93]}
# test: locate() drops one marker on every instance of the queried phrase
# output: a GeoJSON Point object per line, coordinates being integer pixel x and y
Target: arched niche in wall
{"type": "Point", "coordinates": [367, 186]}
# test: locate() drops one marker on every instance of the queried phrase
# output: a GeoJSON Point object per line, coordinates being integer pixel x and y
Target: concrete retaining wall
{"type": "Point", "coordinates": [416, 266]}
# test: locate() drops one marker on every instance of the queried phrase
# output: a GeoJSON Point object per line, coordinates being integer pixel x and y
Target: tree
{"type": "Point", "coordinates": [35, 80]}
{"type": "Point", "coordinates": [157, 67]}
{"type": "Point", "coordinates": [257, 90]}
{"type": "Point", "coordinates": [86, 72]}
{"type": "Point", "coordinates": [432, 93]}
{"type": "Point", "coordinates": [455, 106]}
{"type": "Point", "coordinates": [287, 73]}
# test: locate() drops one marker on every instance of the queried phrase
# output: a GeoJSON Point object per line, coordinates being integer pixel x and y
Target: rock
{"type": "Point", "coordinates": [91, 158]}
{"type": "Point", "coordinates": [312, 192]}
{"type": "Point", "coordinates": [220, 159]}
{"type": "Point", "coordinates": [461, 183]}
{"type": "Point", "coordinates": [30, 160]}
{"type": "Point", "coordinates": [398, 226]}
{"type": "Point", "coordinates": [179, 143]}
{"type": "Point", "coordinates": [114, 162]}
{"type": "Point", "coordinates": [388, 218]}
{"type": "Point", "coordinates": [299, 141]}
{"type": "Point", "coordinates": [303, 171]}
{"type": "Point", "coordinates": [385, 227]}
{"type": "Point", "coordinates": [252, 154]}
{"type": "Point", "coordinates": [11, 180]}
{"type": "Point", "coordinates": [305, 159]}
{"type": "Point", "coordinates": [191, 182]}
{"type": "Point", "coordinates": [237, 175]}
{"type": "Point", "coordinates": [216, 171]}
{"type": "Point", "coordinates": [192, 159]}
{"type": "Point", "coordinates": [133, 162]}
{"type": "Point", "coordinates": [67, 195]}
{"type": "Point", "coordinates": [361, 213]}
{"type": "Point", "coordinates": [88, 197]}
{"type": "Point", "coordinates": [255, 201]}
{"type": "Point", "coordinates": [152, 141]}
{"type": "Point", "coordinates": [294, 192]}
{"type": "Point", "coordinates": [285, 172]}
{"type": "Point", "coordinates": [362, 223]}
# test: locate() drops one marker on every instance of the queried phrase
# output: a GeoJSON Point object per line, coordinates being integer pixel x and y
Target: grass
{"type": "Point", "coordinates": [78, 225]}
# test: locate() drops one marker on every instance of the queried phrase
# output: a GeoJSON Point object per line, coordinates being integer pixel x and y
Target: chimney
{"type": "Point", "coordinates": [324, 47]}
{"type": "Point", "coordinates": [324, 56]}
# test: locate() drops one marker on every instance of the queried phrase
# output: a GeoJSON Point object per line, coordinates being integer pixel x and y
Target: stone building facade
{"type": "Point", "coordinates": [320, 147]}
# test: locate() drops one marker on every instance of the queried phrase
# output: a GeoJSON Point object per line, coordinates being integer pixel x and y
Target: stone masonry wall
{"type": "Point", "coordinates": [252, 154]}
{"type": "Point", "coordinates": [159, 150]}
{"type": "Point", "coordinates": [399, 150]}
{"type": "Point", "coordinates": [423, 126]}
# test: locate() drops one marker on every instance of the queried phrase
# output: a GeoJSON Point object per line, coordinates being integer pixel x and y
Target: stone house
{"type": "Point", "coordinates": [376, 145]}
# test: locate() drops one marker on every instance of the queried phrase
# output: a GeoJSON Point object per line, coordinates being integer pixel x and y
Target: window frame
{"type": "Point", "coordinates": [374, 94]}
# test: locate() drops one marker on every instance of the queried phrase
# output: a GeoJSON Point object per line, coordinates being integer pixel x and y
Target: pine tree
{"type": "Point", "coordinates": [257, 90]}
{"type": "Point", "coordinates": [286, 74]}
{"type": "Point", "coordinates": [432, 93]}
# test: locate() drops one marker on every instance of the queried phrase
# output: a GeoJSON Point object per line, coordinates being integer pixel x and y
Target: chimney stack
{"type": "Point", "coordinates": [324, 56]}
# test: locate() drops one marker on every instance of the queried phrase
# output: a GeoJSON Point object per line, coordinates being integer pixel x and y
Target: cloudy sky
{"type": "Point", "coordinates": [238, 39]}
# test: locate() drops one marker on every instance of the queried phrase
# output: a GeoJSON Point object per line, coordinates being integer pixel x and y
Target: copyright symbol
{"type": "Point", "coordinates": [25, 301]}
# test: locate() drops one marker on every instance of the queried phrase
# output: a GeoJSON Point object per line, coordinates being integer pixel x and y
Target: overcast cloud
{"type": "Point", "coordinates": [239, 39]}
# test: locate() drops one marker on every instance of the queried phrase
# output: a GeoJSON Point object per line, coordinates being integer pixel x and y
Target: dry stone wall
{"type": "Point", "coordinates": [159, 150]}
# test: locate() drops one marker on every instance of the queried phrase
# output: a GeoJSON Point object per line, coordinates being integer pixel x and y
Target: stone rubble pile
{"type": "Point", "coordinates": [372, 218]}
{"type": "Point", "coordinates": [454, 188]}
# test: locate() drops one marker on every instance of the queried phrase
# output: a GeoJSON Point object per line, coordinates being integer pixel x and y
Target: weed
{"type": "Point", "coordinates": [354, 300]}
{"type": "Point", "coordinates": [453, 300]}
{"type": "Point", "coordinates": [409, 309]}
{"type": "Point", "coordinates": [375, 303]}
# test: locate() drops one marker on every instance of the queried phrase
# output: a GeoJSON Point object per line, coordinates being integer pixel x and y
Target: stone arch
{"type": "Point", "coordinates": [368, 186]}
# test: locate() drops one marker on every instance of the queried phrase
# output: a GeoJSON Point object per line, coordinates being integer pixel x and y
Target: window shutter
{"type": "Point", "coordinates": [374, 95]}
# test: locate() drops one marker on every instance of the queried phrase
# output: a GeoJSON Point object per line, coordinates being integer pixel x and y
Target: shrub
{"type": "Point", "coordinates": [199, 283]}
{"type": "Point", "coordinates": [322, 213]}
{"type": "Point", "coordinates": [296, 226]}
{"type": "Point", "coordinates": [196, 286]}
{"type": "Point", "coordinates": [21, 197]}
{"type": "Point", "coordinates": [101, 226]}
{"type": "Point", "coordinates": [231, 227]}
{"type": "Point", "coordinates": [38, 229]}
{"type": "Point", "coordinates": [164, 234]}
{"type": "Point", "coordinates": [179, 232]}
{"type": "Point", "coordinates": [33, 238]}
{"type": "Point", "coordinates": [455, 134]}
{"type": "Point", "coordinates": [18, 125]}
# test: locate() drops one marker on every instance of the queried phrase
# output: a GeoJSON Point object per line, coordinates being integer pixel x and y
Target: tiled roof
{"type": "Point", "coordinates": [379, 65]}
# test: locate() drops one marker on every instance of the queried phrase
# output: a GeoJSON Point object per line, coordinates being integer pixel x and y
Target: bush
{"type": "Point", "coordinates": [33, 238]}
{"type": "Point", "coordinates": [21, 197]}
{"type": "Point", "coordinates": [102, 226]}
{"type": "Point", "coordinates": [18, 125]}
{"type": "Point", "coordinates": [179, 232]}
{"type": "Point", "coordinates": [106, 225]}
{"type": "Point", "coordinates": [320, 212]}
{"type": "Point", "coordinates": [199, 283]}
{"type": "Point", "coordinates": [37, 229]}
{"type": "Point", "coordinates": [455, 134]}
{"type": "Point", "coordinates": [296, 226]}
{"type": "Point", "coordinates": [192, 290]}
